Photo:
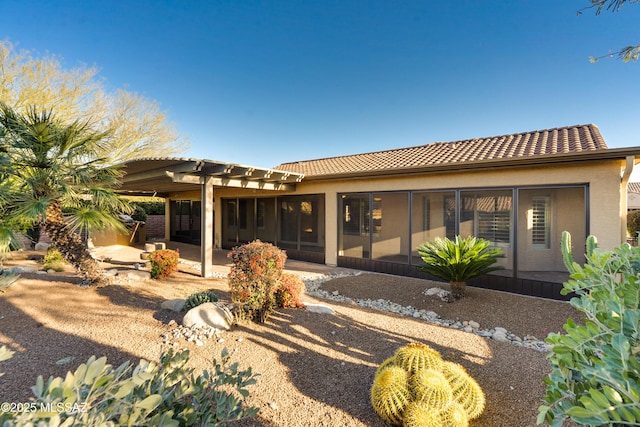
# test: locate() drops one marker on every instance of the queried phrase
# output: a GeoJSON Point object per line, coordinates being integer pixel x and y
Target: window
{"type": "Point", "coordinates": [289, 219]}
{"type": "Point", "coordinates": [243, 212]}
{"type": "Point", "coordinates": [232, 216]}
{"type": "Point", "coordinates": [494, 222]}
{"type": "Point", "coordinates": [426, 213]}
{"type": "Point", "coordinates": [487, 215]}
{"type": "Point", "coordinates": [540, 222]}
{"type": "Point", "coordinates": [261, 211]}
{"type": "Point", "coordinates": [309, 220]}
{"type": "Point", "coordinates": [355, 215]}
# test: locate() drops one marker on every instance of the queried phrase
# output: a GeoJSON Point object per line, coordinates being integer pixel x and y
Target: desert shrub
{"type": "Point", "coordinates": [459, 260]}
{"type": "Point", "coordinates": [289, 291]}
{"type": "Point", "coordinates": [139, 214]}
{"type": "Point", "coordinates": [151, 208]}
{"type": "Point", "coordinates": [416, 387]}
{"type": "Point", "coordinates": [595, 377]}
{"type": "Point", "coordinates": [164, 262]}
{"type": "Point", "coordinates": [633, 223]}
{"type": "Point", "coordinates": [199, 298]}
{"type": "Point", "coordinates": [253, 279]}
{"type": "Point", "coordinates": [168, 394]}
{"type": "Point", "coordinates": [53, 260]}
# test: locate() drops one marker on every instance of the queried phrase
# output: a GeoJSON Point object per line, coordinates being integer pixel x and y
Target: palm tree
{"type": "Point", "coordinates": [459, 260]}
{"type": "Point", "coordinates": [52, 178]}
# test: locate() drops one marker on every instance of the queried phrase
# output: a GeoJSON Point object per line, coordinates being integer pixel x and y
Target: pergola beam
{"type": "Point", "coordinates": [184, 178]}
{"type": "Point", "coordinates": [160, 172]}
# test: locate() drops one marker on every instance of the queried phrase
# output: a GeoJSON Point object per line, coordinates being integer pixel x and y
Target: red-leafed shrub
{"type": "Point", "coordinates": [253, 279]}
{"type": "Point", "coordinates": [164, 262]}
{"type": "Point", "coordinates": [289, 292]}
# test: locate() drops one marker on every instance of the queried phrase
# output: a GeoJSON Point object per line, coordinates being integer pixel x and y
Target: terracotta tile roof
{"type": "Point", "coordinates": [633, 187]}
{"type": "Point", "coordinates": [565, 140]}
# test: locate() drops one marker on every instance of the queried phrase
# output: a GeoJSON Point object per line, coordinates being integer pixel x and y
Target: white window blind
{"type": "Point", "coordinates": [540, 222]}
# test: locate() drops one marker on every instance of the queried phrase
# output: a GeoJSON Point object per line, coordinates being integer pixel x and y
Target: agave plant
{"type": "Point", "coordinates": [459, 260]}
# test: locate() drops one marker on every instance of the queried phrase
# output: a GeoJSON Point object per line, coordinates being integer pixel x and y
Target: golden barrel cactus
{"type": "Point", "coordinates": [420, 414]}
{"type": "Point", "coordinates": [417, 388]}
{"type": "Point", "coordinates": [390, 394]}
{"type": "Point", "coordinates": [466, 390]}
{"type": "Point", "coordinates": [431, 387]}
{"type": "Point", "coordinates": [415, 357]}
{"type": "Point", "coordinates": [391, 361]}
{"type": "Point", "coordinates": [453, 415]}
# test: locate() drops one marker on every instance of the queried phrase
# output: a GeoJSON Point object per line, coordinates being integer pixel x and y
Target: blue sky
{"type": "Point", "coordinates": [266, 82]}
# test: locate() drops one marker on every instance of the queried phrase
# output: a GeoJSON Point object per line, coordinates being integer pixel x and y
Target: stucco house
{"type": "Point", "coordinates": [370, 211]}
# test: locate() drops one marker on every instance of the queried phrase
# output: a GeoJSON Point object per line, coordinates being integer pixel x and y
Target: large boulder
{"type": "Point", "coordinates": [208, 314]}
{"type": "Point", "coordinates": [318, 308]}
{"type": "Point", "coordinates": [42, 246]}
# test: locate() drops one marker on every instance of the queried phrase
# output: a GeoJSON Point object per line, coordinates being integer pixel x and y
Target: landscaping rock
{"type": "Point", "coordinates": [438, 293]}
{"type": "Point", "coordinates": [500, 334]}
{"type": "Point", "coordinates": [208, 315]}
{"type": "Point", "coordinates": [318, 308]}
{"type": "Point", "coordinates": [42, 247]}
{"type": "Point", "coordinates": [135, 274]}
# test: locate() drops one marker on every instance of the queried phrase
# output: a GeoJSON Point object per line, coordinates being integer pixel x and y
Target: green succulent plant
{"type": "Point", "coordinates": [459, 260]}
{"type": "Point", "coordinates": [595, 376]}
{"type": "Point", "coordinates": [199, 298]}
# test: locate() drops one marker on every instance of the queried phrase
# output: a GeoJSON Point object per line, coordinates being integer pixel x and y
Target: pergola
{"type": "Point", "coordinates": [166, 176]}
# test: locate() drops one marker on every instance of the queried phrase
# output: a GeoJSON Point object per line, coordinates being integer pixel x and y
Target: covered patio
{"type": "Point", "coordinates": [169, 177]}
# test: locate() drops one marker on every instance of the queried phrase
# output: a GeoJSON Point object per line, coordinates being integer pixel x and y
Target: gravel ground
{"type": "Point", "coordinates": [315, 369]}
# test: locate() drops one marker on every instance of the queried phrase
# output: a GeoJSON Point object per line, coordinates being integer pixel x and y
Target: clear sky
{"type": "Point", "coordinates": [266, 82]}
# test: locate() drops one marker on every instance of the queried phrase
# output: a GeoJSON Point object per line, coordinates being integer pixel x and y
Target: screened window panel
{"type": "Point", "coordinates": [540, 222]}
{"type": "Point", "coordinates": [488, 215]}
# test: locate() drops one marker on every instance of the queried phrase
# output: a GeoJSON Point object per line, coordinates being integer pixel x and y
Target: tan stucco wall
{"type": "Point", "coordinates": [603, 178]}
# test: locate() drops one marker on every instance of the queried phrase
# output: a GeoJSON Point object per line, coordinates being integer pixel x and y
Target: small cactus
{"type": "Point", "coordinates": [466, 390]}
{"type": "Point", "coordinates": [390, 394]}
{"type": "Point", "coordinates": [567, 251]}
{"type": "Point", "coordinates": [388, 362]}
{"type": "Point", "coordinates": [199, 298]}
{"type": "Point", "coordinates": [417, 388]}
{"type": "Point", "coordinates": [592, 244]}
{"type": "Point", "coordinates": [415, 357]}
{"type": "Point", "coordinates": [419, 414]}
{"type": "Point", "coordinates": [453, 415]}
{"type": "Point", "coordinates": [431, 387]}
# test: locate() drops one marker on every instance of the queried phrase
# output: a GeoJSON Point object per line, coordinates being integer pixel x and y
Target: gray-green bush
{"type": "Point", "coordinates": [167, 394]}
{"type": "Point", "coordinates": [595, 378]}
